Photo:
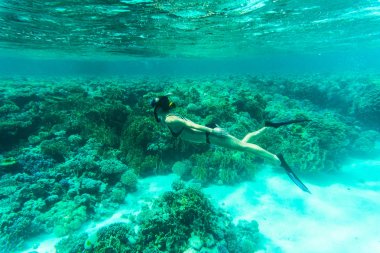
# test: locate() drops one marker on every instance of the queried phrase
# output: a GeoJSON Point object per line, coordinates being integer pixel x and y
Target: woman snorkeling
{"type": "Point", "coordinates": [187, 130]}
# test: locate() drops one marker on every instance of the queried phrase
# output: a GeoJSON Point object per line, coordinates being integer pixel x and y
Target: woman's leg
{"type": "Point", "coordinates": [252, 135]}
{"type": "Point", "coordinates": [229, 141]}
{"type": "Point", "coordinates": [259, 151]}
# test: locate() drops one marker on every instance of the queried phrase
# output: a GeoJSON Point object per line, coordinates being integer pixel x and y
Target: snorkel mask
{"type": "Point", "coordinates": [162, 103]}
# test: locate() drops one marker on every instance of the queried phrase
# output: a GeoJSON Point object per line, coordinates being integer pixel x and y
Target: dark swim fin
{"type": "Point", "coordinates": [278, 124]}
{"type": "Point", "coordinates": [291, 174]}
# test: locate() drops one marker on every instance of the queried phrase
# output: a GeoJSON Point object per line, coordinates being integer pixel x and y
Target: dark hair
{"type": "Point", "coordinates": [162, 103]}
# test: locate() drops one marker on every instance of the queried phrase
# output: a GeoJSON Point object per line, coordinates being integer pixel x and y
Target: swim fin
{"type": "Point", "coordinates": [291, 174]}
{"type": "Point", "coordinates": [278, 124]}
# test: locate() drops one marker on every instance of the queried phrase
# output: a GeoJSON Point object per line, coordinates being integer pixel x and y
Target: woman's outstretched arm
{"type": "Point", "coordinates": [177, 121]}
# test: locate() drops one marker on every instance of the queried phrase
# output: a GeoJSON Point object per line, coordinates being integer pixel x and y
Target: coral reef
{"type": "Point", "coordinates": [117, 237]}
{"type": "Point", "coordinates": [72, 215]}
{"type": "Point", "coordinates": [222, 166]}
{"type": "Point", "coordinates": [168, 226]}
{"type": "Point", "coordinates": [367, 106]}
{"type": "Point", "coordinates": [72, 244]}
{"type": "Point", "coordinates": [18, 119]}
{"type": "Point", "coordinates": [73, 149]}
{"type": "Point", "coordinates": [182, 220]}
{"type": "Point", "coordinates": [186, 219]}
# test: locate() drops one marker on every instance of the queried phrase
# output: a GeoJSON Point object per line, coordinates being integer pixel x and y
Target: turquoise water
{"type": "Point", "coordinates": [189, 28]}
{"type": "Point", "coordinates": [85, 167]}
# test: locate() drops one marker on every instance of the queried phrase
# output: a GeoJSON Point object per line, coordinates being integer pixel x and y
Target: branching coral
{"type": "Point", "coordinates": [137, 135]}
{"type": "Point", "coordinates": [186, 219]}
{"type": "Point", "coordinates": [116, 237]}
{"type": "Point", "coordinates": [112, 166]}
{"type": "Point", "coordinates": [105, 123]}
{"type": "Point", "coordinates": [56, 149]}
{"type": "Point", "coordinates": [169, 225]}
{"type": "Point", "coordinates": [65, 217]}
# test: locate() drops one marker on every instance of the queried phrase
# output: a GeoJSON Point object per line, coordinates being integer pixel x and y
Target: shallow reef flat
{"type": "Point", "coordinates": [72, 150]}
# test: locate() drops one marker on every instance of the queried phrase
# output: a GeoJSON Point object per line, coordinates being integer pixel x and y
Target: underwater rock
{"type": "Point", "coordinates": [90, 185]}
{"type": "Point", "coordinates": [365, 144]}
{"type": "Point", "coordinates": [118, 194]}
{"type": "Point", "coordinates": [367, 107]}
{"type": "Point", "coordinates": [195, 242]}
{"type": "Point", "coordinates": [193, 108]}
{"type": "Point", "coordinates": [129, 179]}
{"type": "Point", "coordinates": [190, 250]}
{"type": "Point", "coordinates": [182, 168]}
{"type": "Point", "coordinates": [52, 199]}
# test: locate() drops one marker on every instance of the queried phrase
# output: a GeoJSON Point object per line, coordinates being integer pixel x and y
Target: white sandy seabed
{"type": "Point", "coordinates": [341, 214]}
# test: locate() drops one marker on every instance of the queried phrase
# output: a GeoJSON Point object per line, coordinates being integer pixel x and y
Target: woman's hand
{"type": "Point", "coordinates": [217, 131]}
